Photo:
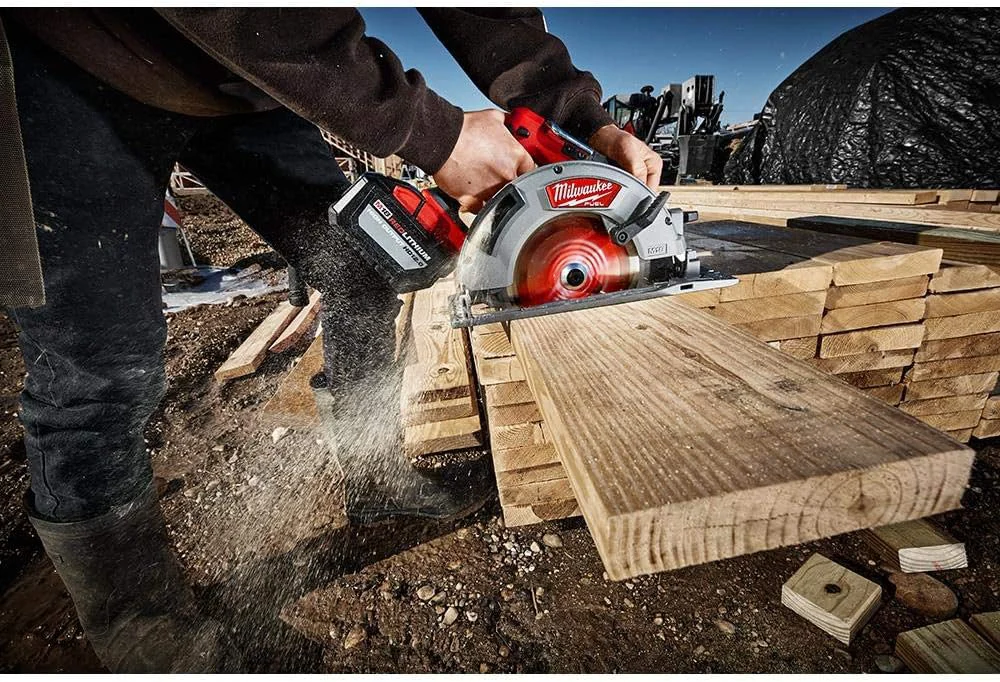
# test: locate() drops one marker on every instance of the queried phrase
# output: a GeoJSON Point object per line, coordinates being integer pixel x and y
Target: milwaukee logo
{"type": "Point", "coordinates": [582, 193]}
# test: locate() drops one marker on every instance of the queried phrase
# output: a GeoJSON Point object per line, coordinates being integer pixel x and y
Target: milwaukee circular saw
{"type": "Point", "coordinates": [575, 232]}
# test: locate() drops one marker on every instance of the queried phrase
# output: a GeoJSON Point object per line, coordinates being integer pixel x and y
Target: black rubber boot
{"type": "Point", "coordinates": [136, 609]}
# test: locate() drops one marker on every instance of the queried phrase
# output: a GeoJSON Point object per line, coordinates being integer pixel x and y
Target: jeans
{"type": "Point", "coordinates": [99, 164]}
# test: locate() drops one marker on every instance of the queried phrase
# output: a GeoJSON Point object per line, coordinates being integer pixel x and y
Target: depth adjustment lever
{"type": "Point", "coordinates": [642, 217]}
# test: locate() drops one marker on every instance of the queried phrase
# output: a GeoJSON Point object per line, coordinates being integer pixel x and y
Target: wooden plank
{"type": "Point", "coordinates": [876, 292]}
{"type": "Point", "coordinates": [987, 428]}
{"type": "Point", "coordinates": [512, 393]}
{"type": "Point", "coordinates": [956, 385]}
{"type": "Point", "coordinates": [887, 394]}
{"type": "Point", "coordinates": [414, 413]}
{"type": "Point", "coordinates": [945, 404]}
{"type": "Point", "coordinates": [871, 340]}
{"type": "Point", "coordinates": [439, 368]}
{"type": "Point", "coordinates": [800, 348]}
{"type": "Point", "coordinates": [293, 403]}
{"type": "Point", "coordinates": [794, 195]}
{"type": "Point", "coordinates": [771, 307]}
{"type": "Point", "coordinates": [989, 196]}
{"type": "Point", "coordinates": [453, 434]}
{"type": "Point", "coordinates": [873, 315]}
{"type": "Point", "coordinates": [945, 305]}
{"type": "Point", "coordinates": [782, 329]}
{"type": "Point", "coordinates": [874, 377]}
{"type": "Point", "coordinates": [495, 345]}
{"type": "Point", "coordinates": [530, 476]}
{"type": "Point", "coordinates": [963, 325]}
{"type": "Point", "coordinates": [955, 276]}
{"type": "Point", "coordinates": [506, 415]}
{"type": "Point", "coordinates": [299, 327]}
{"type": "Point", "coordinates": [518, 436]}
{"type": "Point", "coordinates": [701, 187]}
{"type": "Point", "coordinates": [956, 243]}
{"type": "Point", "coordinates": [987, 625]}
{"type": "Point", "coordinates": [953, 421]}
{"type": "Point", "coordinates": [864, 362]}
{"type": "Point", "coordinates": [251, 353]}
{"type": "Point", "coordinates": [744, 449]}
{"type": "Point", "coordinates": [854, 261]}
{"type": "Point", "coordinates": [403, 319]}
{"type": "Point", "coordinates": [536, 493]}
{"type": "Point", "coordinates": [527, 457]}
{"type": "Point", "coordinates": [831, 597]}
{"type": "Point", "coordinates": [939, 369]}
{"type": "Point", "coordinates": [948, 647]}
{"type": "Point", "coordinates": [514, 516]}
{"type": "Point", "coordinates": [974, 346]}
{"type": "Point", "coordinates": [992, 408]}
{"type": "Point", "coordinates": [961, 435]}
{"type": "Point", "coordinates": [917, 546]}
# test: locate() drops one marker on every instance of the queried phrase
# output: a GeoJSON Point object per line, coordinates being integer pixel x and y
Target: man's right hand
{"type": "Point", "coordinates": [486, 157]}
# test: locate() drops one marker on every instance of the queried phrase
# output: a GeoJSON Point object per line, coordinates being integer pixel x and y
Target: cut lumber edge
{"type": "Point", "coordinates": [917, 546]}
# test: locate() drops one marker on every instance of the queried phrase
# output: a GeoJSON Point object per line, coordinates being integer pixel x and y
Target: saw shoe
{"type": "Point", "coordinates": [136, 609]}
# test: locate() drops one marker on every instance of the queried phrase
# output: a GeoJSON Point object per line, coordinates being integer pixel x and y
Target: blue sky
{"type": "Point", "coordinates": [750, 51]}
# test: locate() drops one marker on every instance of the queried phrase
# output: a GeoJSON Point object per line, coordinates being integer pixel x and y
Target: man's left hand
{"type": "Point", "coordinates": [629, 152]}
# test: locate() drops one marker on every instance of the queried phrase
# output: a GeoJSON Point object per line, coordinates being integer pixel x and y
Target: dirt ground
{"type": "Point", "coordinates": [258, 527]}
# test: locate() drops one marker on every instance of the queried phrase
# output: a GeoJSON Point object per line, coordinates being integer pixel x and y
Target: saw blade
{"type": "Point", "coordinates": [569, 258]}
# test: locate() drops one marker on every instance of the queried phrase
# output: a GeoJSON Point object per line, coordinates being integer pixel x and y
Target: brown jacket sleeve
{"type": "Point", "coordinates": [511, 57]}
{"type": "Point", "coordinates": [320, 64]}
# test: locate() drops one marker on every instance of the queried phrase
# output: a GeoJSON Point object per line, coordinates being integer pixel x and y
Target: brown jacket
{"type": "Point", "coordinates": [320, 64]}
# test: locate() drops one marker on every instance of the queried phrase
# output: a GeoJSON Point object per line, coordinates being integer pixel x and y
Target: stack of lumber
{"type": "Point", "coordinates": [438, 403]}
{"type": "Point", "coordinates": [685, 440]}
{"type": "Point", "coordinates": [964, 223]}
{"type": "Point", "coordinates": [531, 481]}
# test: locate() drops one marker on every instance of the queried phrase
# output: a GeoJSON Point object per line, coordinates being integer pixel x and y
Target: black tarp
{"type": "Point", "coordinates": [911, 99]}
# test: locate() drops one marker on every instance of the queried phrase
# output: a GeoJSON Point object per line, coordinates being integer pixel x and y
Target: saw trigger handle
{"type": "Point", "coordinates": [545, 141]}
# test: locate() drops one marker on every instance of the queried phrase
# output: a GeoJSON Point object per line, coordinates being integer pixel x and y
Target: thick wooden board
{"type": "Point", "coordinates": [945, 405]}
{"type": "Point", "coordinates": [790, 194]}
{"type": "Point", "coordinates": [528, 457]}
{"type": "Point", "coordinates": [513, 393]}
{"type": "Point", "coordinates": [987, 625]}
{"type": "Point", "coordinates": [963, 325]}
{"type": "Point", "coordinates": [873, 315]}
{"type": "Point", "coordinates": [887, 394]}
{"type": "Point", "coordinates": [945, 305]}
{"type": "Point", "coordinates": [987, 428]}
{"type": "Point", "coordinates": [293, 403]}
{"type": "Point", "coordinates": [961, 435]}
{"type": "Point", "coordinates": [992, 408]}
{"type": "Point", "coordinates": [948, 647]}
{"type": "Point", "coordinates": [917, 546]}
{"type": "Point", "coordinates": [959, 244]}
{"type": "Point", "coordinates": [831, 597]}
{"type": "Point", "coordinates": [705, 186]}
{"type": "Point", "coordinates": [956, 385]}
{"type": "Point", "coordinates": [871, 340]}
{"type": "Point", "coordinates": [955, 276]}
{"type": "Point", "coordinates": [874, 377]}
{"type": "Point", "coordinates": [771, 307]}
{"type": "Point", "coordinates": [800, 348]}
{"type": "Point", "coordinates": [506, 415]}
{"type": "Point", "coordinates": [414, 414]}
{"type": "Point", "coordinates": [854, 261]}
{"type": "Point", "coordinates": [453, 434]}
{"type": "Point", "coordinates": [743, 449]}
{"type": "Point", "coordinates": [492, 371]}
{"type": "Point", "coordinates": [952, 421]}
{"type": "Point", "coordinates": [783, 329]}
{"type": "Point", "coordinates": [251, 353]}
{"type": "Point", "coordinates": [864, 362]}
{"type": "Point", "coordinates": [493, 345]}
{"type": "Point", "coordinates": [299, 327]}
{"type": "Point", "coordinates": [974, 346]}
{"type": "Point", "coordinates": [939, 369]}
{"type": "Point", "coordinates": [876, 292]}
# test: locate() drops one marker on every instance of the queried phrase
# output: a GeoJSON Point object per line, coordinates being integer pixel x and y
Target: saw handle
{"type": "Point", "coordinates": [544, 141]}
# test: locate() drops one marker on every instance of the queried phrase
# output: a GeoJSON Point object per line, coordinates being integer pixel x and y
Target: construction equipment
{"type": "Point", "coordinates": [576, 232]}
{"type": "Point", "coordinates": [682, 125]}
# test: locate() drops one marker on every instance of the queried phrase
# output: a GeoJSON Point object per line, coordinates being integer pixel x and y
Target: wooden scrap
{"type": "Point", "coordinates": [987, 428]}
{"type": "Point", "coordinates": [831, 597]}
{"type": "Point", "coordinates": [251, 353]}
{"type": "Point", "coordinates": [293, 403]}
{"type": "Point", "coordinates": [987, 625]}
{"type": "Point", "coordinates": [948, 647]}
{"type": "Point", "coordinates": [299, 327]}
{"type": "Point", "coordinates": [442, 436]}
{"type": "Point", "coordinates": [917, 546]}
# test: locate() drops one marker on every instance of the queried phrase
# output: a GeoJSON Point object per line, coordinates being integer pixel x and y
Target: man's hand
{"type": "Point", "coordinates": [629, 152]}
{"type": "Point", "coordinates": [486, 157]}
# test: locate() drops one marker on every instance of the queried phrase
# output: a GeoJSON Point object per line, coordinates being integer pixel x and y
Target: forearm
{"type": "Point", "coordinates": [321, 65]}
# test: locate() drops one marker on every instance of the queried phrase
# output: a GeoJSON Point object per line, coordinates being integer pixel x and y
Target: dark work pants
{"type": "Point", "coordinates": [99, 164]}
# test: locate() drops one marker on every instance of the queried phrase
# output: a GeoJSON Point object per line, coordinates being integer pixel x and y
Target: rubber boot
{"type": "Point", "coordinates": [380, 483]}
{"type": "Point", "coordinates": [136, 609]}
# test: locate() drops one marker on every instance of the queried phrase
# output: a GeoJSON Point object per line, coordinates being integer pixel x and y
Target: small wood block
{"type": "Point", "coordinates": [513, 393]}
{"type": "Point", "coordinates": [987, 625]}
{"type": "Point", "coordinates": [299, 327]}
{"type": "Point", "coordinates": [961, 435]}
{"type": "Point", "coordinates": [454, 434]}
{"type": "Point", "coordinates": [953, 421]}
{"type": "Point", "coordinates": [797, 278]}
{"type": "Point", "coordinates": [948, 305]}
{"type": "Point", "coordinates": [536, 493]}
{"type": "Point", "coordinates": [917, 546]}
{"type": "Point", "coordinates": [495, 345]}
{"type": "Point", "coordinates": [959, 347]}
{"type": "Point", "coordinates": [871, 340]}
{"type": "Point", "coordinates": [939, 369]}
{"type": "Point", "coordinates": [954, 403]}
{"type": "Point", "coordinates": [250, 355]}
{"type": "Point", "coordinates": [948, 647]}
{"type": "Point", "coordinates": [514, 516]}
{"type": "Point", "coordinates": [962, 325]}
{"type": "Point", "coordinates": [414, 414]}
{"type": "Point", "coordinates": [955, 276]}
{"type": "Point", "coordinates": [506, 415]}
{"type": "Point", "coordinates": [771, 307]}
{"type": "Point", "coordinates": [960, 385]}
{"type": "Point", "coordinates": [293, 403]}
{"type": "Point", "coordinates": [499, 371]}
{"type": "Point", "coordinates": [435, 382]}
{"type": "Point", "coordinates": [874, 377]}
{"type": "Point", "coordinates": [987, 428]}
{"type": "Point", "coordinates": [873, 315]}
{"type": "Point", "coordinates": [831, 597]}
{"type": "Point", "coordinates": [864, 362]}
{"type": "Point", "coordinates": [784, 328]}
{"type": "Point", "coordinates": [887, 394]}
{"type": "Point", "coordinates": [518, 436]}
{"type": "Point", "coordinates": [877, 292]}
{"type": "Point", "coordinates": [539, 474]}
{"type": "Point", "coordinates": [804, 349]}
{"type": "Point", "coordinates": [992, 408]}
{"type": "Point", "coordinates": [526, 457]}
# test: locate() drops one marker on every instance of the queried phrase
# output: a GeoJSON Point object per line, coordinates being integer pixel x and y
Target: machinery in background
{"type": "Point", "coordinates": [682, 125]}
